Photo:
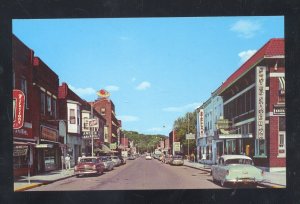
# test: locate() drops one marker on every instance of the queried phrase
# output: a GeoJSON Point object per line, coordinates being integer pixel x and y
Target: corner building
{"type": "Point", "coordinates": [254, 104]}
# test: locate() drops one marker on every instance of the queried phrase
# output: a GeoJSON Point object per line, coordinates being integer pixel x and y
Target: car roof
{"type": "Point", "coordinates": [234, 156]}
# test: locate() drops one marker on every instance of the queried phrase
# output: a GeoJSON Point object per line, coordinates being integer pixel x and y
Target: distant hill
{"type": "Point", "coordinates": [144, 142]}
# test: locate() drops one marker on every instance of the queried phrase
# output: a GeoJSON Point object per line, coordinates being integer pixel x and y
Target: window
{"type": "Point", "coordinates": [102, 111]}
{"type": "Point", "coordinates": [24, 90]}
{"type": "Point", "coordinates": [260, 148]}
{"type": "Point", "coordinates": [281, 144]}
{"type": "Point", "coordinates": [49, 104]}
{"type": "Point", "coordinates": [281, 90]}
{"type": "Point", "coordinates": [14, 109]}
{"type": "Point", "coordinates": [54, 108]}
{"type": "Point", "coordinates": [72, 116]}
{"type": "Point", "coordinates": [85, 123]}
{"type": "Point", "coordinates": [42, 102]}
{"type": "Point", "coordinates": [78, 117]}
{"type": "Point", "coordinates": [282, 123]}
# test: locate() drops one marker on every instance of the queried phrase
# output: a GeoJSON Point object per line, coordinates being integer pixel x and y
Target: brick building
{"type": "Point", "coordinates": [106, 108]}
{"type": "Point", "coordinates": [23, 139]}
{"type": "Point", "coordinates": [254, 104]}
{"type": "Point", "coordinates": [172, 147]}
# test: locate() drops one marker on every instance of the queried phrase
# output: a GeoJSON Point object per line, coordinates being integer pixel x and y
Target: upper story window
{"type": "Point", "coordinates": [102, 111]}
{"type": "Point", "coordinates": [49, 104]}
{"type": "Point", "coordinates": [281, 92]}
{"type": "Point", "coordinates": [72, 116]}
{"type": "Point", "coordinates": [42, 102]}
{"type": "Point", "coordinates": [54, 108]}
{"type": "Point", "coordinates": [24, 89]}
{"type": "Point", "coordinates": [78, 117]}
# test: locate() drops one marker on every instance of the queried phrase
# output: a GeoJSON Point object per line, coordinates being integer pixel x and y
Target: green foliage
{"type": "Point", "coordinates": [184, 125]}
{"type": "Point", "coordinates": [144, 142]}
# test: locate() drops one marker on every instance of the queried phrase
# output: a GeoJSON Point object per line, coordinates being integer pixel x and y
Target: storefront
{"type": "Point", "coordinates": [23, 158]}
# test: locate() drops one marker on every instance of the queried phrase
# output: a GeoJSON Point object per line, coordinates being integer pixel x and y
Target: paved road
{"type": "Point", "coordinates": [138, 174]}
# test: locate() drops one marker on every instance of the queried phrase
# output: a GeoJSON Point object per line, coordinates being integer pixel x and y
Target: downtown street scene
{"type": "Point", "coordinates": [149, 103]}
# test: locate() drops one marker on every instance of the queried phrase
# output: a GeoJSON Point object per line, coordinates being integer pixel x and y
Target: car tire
{"type": "Point", "coordinates": [222, 183]}
{"type": "Point", "coordinates": [77, 176]}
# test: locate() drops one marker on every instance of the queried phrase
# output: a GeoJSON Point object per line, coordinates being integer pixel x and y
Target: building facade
{"type": "Point", "coordinates": [254, 108]}
{"type": "Point", "coordinates": [106, 108]}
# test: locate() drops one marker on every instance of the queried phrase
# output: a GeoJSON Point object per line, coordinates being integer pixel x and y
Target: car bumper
{"type": "Point", "coordinates": [244, 180]}
{"type": "Point", "coordinates": [85, 172]}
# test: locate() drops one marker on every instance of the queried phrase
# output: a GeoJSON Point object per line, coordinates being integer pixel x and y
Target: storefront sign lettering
{"type": "Point", "coordinates": [49, 133]}
{"type": "Point", "coordinates": [260, 102]}
{"type": "Point", "coordinates": [201, 120]}
{"type": "Point", "coordinates": [278, 110]}
{"type": "Point", "coordinates": [18, 108]}
{"type": "Point", "coordinates": [20, 150]}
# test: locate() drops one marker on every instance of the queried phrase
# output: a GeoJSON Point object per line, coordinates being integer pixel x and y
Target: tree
{"type": "Point", "coordinates": [184, 125]}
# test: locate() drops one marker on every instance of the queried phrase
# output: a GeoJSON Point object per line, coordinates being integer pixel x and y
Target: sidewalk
{"type": "Point", "coordinates": [22, 184]}
{"type": "Point", "coordinates": [272, 179]}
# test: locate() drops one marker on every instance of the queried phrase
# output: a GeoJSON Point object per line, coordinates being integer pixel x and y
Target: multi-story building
{"type": "Point", "coordinates": [45, 121]}
{"type": "Point", "coordinates": [24, 140]}
{"type": "Point", "coordinates": [106, 108]}
{"type": "Point", "coordinates": [70, 111]}
{"type": "Point", "coordinates": [207, 116]}
{"type": "Point", "coordinates": [254, 108]}
{"type": "Point", "coordinates": [174, 144]}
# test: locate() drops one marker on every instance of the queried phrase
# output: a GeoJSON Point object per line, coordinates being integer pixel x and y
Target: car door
{"type": "Point", "coordinates": [220, 169]}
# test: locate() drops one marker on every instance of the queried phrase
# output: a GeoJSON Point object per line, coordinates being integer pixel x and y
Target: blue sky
{"type": "Point", "coordinates": [156, 69]}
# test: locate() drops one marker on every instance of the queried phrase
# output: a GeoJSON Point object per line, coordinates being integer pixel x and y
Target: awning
{"type": "Point", "coordinates": [24, 143]}
{"type": "Point", "coordinates": [105, 148]}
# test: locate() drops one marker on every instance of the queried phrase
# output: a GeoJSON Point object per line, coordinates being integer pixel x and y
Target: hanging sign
{"type": "Point", "coordinates": [18, 108]}
{"type": "Point", "coordinates": [201, 122]}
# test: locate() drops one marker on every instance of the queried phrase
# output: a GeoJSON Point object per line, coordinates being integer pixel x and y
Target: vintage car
{"type": "Point", "coordinates": [148, 157]}
{"type": "Point", "coordinates": [108, 163]}
{"type": "Point", "coordinates": [123, 160]}
{"type": "Point", "coordinates": [89, 165]}
{"type": "Point", "coordinates": [116, 160]}
{"type": "Point", "coordinates": [236, 169]}
{"type": "Point", "coordinates": [176, 160]}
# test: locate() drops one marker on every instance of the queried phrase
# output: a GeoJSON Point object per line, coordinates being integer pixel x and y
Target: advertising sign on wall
{"type": "Point", "coordinates": [176, 146]}
{"type": "Point", "coordinates": [260, 102]}
{"type": "Point", "coordinates": [18, 109]}
{"type": "Point", "coordinates": [48, 133]}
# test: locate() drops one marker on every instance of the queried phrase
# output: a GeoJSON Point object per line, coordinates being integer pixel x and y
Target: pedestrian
{"type": "Point", "coordinates": [82, 156]}
{"type": "Point", "coordinates": [68, 161]}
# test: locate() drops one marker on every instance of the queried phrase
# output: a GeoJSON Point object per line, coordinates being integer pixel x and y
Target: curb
{"type": "Point", "coordinates": [30, 186]}
{"type": "Point", "coordinates": [203, 169]}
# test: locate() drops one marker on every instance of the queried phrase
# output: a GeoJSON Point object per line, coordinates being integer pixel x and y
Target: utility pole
{"type": "Point", "coordinates": [188, 133]}
{"type": "Point", "coordinates": [91, 129]}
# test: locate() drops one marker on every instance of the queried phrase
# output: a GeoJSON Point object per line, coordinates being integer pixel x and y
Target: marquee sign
{"type": "Point", "coordinates": [176, 146]}
{"type": "Point", "coordinates": [260, 102]}
{"type": "Point", "coordinates": [18, 109]}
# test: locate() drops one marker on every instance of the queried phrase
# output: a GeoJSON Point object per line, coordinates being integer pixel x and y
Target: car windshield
{"type": "Point", "coordinates": [238, 161]}
{"type": "Point", "coordinates": [88, 160]}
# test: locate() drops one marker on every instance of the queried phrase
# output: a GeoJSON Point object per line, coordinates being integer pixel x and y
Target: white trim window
{"type": "Point", "coordinates": [24, 89]}
{"type": "Point", "coordinates": [42, 102]}
{"type": "Point", "coordinates": [281, 144]}
{"type": "Point", "coordinates": [49, 104]}
{"type": "Point", "coordinates": [72, 118]}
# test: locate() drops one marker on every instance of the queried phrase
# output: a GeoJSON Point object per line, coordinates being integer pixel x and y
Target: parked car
{"type": "Point", "coordinates": [176, 160]}
{"type": "Point", "coordinates": [116, 160]}
{"type": "Point", "coordinates": [123, 160]}
{"type": "Point", "coordinates": [131, 157]}
{"type": "Point", "coordinates": [89, 165]}
{"type": "Point", "coordinates": [236, 169]}
{"type": "Point", "coordinates": [168, 159]}
{"type": "Point", "coordinates": [108, 163]}
{"type": "Point", "coordinates": [148, 157]}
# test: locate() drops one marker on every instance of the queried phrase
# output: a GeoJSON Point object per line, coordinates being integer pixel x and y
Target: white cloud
{"type": "Point", "coordinates": [128, 118]}
{"type": "Point", "coordinates": [245, 55]}
{"type": "Point", "coordinates": [112, 88]}
{"type": "Point", "coordinates": [144, 85]}
{"type": "Point", "coordinates": [83, 91]}
{"type": "Point", "coordinates": [187, 107]}
{"type": "Point", "coordinates": [246, 28]}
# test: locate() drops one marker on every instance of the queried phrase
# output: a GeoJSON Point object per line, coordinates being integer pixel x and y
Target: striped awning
{"type": "Point", "coordinates": [281, 83]}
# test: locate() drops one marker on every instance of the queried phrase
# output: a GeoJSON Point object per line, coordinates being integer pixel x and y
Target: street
{"type": "Point", "coordinates": [138, 174]}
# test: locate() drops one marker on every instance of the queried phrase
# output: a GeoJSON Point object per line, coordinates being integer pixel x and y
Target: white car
{"type": "Point", "coordinates": [117, 161]}
{"type": "Point", "coordinates": [148, 157]}
{"type": "Point", "coordinates": [236, 169]}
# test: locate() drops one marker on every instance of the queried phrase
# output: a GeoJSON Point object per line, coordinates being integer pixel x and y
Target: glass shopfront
{"type": "Point", "coordinates": [50, 159]}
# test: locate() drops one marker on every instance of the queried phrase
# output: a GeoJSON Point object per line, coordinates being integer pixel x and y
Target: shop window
{"type": "Point", "coordinates": [24, 90]}
{"type": "Point", "coordinates": [260, 148]}
{"type": "Point", "coordinates": [72, 116]}
{"type": "Point", "coordinates": [42, 102]}
{"type": "Point", "coordinates": [20, 162]}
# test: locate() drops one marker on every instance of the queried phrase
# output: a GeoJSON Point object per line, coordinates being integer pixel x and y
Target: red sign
{"type": "Point", "coordinates": [23, 132]}
{"type": "Point", "coordinates": [103, 93]}
{"type": "Point", "coordinates": [18, 108]}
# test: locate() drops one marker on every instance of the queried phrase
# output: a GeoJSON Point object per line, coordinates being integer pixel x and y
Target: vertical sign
{"type": "Point", "coordinates": [260, 102]}
{"type": "Point", "coordinates": [18, 109]}
{"type": "Point", "coordinates": [201, 119]}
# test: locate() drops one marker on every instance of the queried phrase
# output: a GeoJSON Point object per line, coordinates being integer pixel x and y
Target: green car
{"type": "Point", "coordinates": [236, 169]}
